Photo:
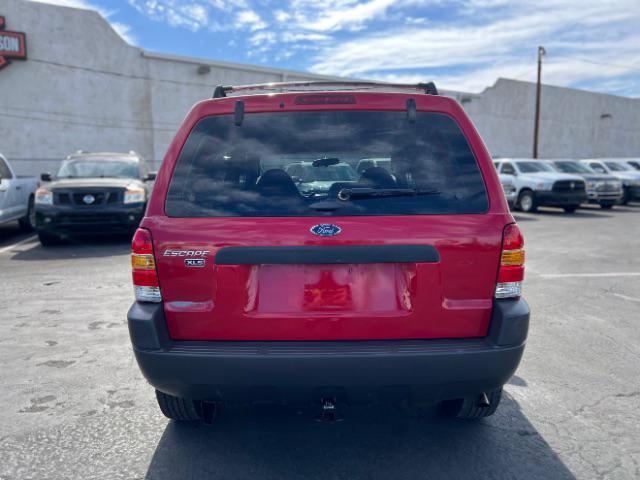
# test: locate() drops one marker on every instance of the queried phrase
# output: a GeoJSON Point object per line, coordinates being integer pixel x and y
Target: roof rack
{"type": "Point", "coordinates": [428, 88]}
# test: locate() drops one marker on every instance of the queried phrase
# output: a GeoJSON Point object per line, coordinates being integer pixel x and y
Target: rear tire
{"type": "Point", "coordinates": [468, 408]}
{"type": "Point", "coordinates": [570, 209]}
{"type": "Point", "coordinates": [527, 202]}
{"type": "Point", "coordinates": [180, 409]}
{"type": "Point", "coordinates": [49, 239]}
{"type": "Point", "coordinates": [28, 222]}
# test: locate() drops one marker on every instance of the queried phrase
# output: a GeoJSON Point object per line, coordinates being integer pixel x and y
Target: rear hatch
{"type": "Point", "coordinates": [248, 251]}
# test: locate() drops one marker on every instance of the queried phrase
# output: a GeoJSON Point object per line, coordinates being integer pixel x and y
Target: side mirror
{"type": "Point", "coordinates": [45, 177]}
{"type": "Point", "coordinates": [150, 176]}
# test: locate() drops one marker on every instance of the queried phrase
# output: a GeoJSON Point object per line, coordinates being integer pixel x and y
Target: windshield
{"type": "Point", "coordinates": [572, 167]}
{"type": "Point", "coordinates": [96, 168]}
{"type": "Point", "coordinates": [297, 163]}
{"type": "Point", "coordinates": [533, 167]}
{"type": "Point", "coordinates": [617, 167]}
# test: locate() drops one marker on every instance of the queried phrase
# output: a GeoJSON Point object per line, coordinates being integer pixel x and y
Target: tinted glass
{"type": "Point", "coordinates": [508, 169]}
{"type": "Point", "coordinates": [97, 168]}
{"type": "Point", "coordinates": [572, 167]}
{"type": "Point", "coordinates": [295, 164]}
{"type": "Point", "coordinates": [4, 170]}
{"type": "Point", "coordinates": [617, 167]}
{"type": "Point", "coordinates": [533, 167]}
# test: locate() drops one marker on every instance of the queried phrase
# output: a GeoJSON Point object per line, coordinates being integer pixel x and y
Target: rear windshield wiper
{"type": "Point", "coordinates": [365, 192]}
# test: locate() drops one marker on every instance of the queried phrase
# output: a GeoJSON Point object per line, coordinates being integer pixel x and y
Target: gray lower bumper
{"type": "Point", "coordinates": [420, 370]}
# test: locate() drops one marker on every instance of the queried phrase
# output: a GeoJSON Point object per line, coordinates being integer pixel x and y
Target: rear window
{"type": "Point", "coordinates": [326, 163]}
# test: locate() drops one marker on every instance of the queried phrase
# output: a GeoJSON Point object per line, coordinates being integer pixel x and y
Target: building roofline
{"type": "Point", "coordinates": [238, 66]}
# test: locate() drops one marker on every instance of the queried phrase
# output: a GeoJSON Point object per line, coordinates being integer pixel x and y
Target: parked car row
{"type": "Point", "coordinates": [566, 183]}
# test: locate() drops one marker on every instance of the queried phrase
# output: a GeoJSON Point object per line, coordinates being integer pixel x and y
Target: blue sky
{"type": "Point", "coordinates": [462, 45]}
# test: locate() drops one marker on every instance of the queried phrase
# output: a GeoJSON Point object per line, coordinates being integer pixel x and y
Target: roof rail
{"type": "Point", "coordinates": [428, 88]}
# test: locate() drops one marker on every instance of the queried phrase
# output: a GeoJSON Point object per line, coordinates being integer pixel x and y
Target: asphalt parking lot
{"type": "Point", "coordinates": [74, 404]}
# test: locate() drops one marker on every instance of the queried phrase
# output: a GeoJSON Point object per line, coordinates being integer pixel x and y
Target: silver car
{"type": "Point", "coordinates": [602, 188]}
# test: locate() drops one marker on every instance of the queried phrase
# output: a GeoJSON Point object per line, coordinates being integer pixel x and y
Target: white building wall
{"type": "Point", "coordinates": [83, 87]}
{"type": "Point", "coordinates": [573, 123]}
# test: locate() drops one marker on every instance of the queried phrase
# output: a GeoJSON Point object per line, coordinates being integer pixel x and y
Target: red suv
{"type": "Point", "coordinates": [401, 283]}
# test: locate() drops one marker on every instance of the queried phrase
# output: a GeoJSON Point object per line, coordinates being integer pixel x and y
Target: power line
{"type": "Point", "coordinates": [606, 64]}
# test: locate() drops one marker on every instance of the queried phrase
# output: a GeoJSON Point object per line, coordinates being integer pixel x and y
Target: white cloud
{"type": "Point", "coordinates": [465, 55]}
{"type": "Point", "coordinates": [337, 14]}
{"type": "Point", "coordinates": [249, 19]}
{"type": "Point", "coordinates": [192, 15]}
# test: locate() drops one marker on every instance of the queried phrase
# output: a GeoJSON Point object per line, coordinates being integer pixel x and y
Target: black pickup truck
{"type": "Point", "coordinates": [92, 193]}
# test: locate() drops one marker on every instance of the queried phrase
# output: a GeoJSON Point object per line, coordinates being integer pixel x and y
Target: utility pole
{"type": "Point", "coordinates": [536, 126]}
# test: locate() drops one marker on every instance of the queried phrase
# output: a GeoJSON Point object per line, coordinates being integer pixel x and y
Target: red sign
{"type": "Point", "coordinates": [13, 45]}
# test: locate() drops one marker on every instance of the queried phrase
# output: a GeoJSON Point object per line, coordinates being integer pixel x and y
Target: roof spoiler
{"type": "Point", "coordinates": [428, 88]}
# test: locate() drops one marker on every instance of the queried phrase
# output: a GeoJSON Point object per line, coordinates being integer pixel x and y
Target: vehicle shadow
{"type": "Point", "coordinates": [11, 232]}
{"type": "Point", "coordinates": [81, 247]}
{"type": "Point", "coordinates": [580, 213]}
{"type": "Point", "coordinates": [382, 442]}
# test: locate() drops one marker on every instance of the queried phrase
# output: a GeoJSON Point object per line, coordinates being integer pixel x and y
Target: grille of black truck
{"type": "Point", "coordinates": [89, 198]}
{"type": "Point", "coordinates": [569, 186]}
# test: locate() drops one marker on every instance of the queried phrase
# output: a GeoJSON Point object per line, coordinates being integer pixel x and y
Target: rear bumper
{"type": "Point", "coordinates": [557, 199]}
{"type": "Point", "coordinates": [88, 219]}
{"type": "Point", "coordinates": [355, 371]}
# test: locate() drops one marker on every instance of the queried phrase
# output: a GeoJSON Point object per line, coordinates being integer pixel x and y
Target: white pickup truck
{"type": "Point", "coordinates": [16, 196]}
{"type": "Point", "coordinates": [537, 185]}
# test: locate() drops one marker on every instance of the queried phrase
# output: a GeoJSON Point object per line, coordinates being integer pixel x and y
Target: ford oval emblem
{"type": "Point", "coordinates": [325, 229]}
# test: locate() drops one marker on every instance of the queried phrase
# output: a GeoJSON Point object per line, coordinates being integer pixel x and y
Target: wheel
{"type": "Point", "coordinates": [186, 409]}
{"type": "Point", "coordinates": [48, 239]}
{"type": "Point", "coordinates": [606, 206]}
{"type": "Point", "coordinates": [28, 222]}
{"type": "Point", "coordinates": [472, 408]}
{"type": "Point", "coordinates": [570, 209]}
{"type": "Point", "coordinates": [527, 201]}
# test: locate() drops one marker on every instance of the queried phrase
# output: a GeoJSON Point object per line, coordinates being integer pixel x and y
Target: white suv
{"type": "Point", "coordinates": [537, 184]}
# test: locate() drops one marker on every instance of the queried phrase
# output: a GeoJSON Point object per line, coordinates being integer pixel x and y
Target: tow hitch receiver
{"type": "Point", "coordinates": [328, 411]}
{"type": "Point", "coordinates": [483, 400]}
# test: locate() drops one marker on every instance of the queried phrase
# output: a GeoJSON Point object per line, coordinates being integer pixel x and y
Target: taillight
{"type": "Point", "coordinates": [143, 265]}
{"type": "Point", "coordinates": [511, 273]}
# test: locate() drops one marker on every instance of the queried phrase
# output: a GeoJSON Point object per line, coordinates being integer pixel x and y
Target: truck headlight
{"type": "Point", "coordinates": [134, 195]}
{"type": "Point", "coordinates": [544, 186]}
{"type": "Point", "coordinates": [44, 197]}
{"type": "Point", "coordinates": [593, 185]}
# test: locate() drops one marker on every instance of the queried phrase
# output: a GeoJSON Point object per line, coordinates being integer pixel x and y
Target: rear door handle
{"type": "Point", "coordinates": [18, 187]}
